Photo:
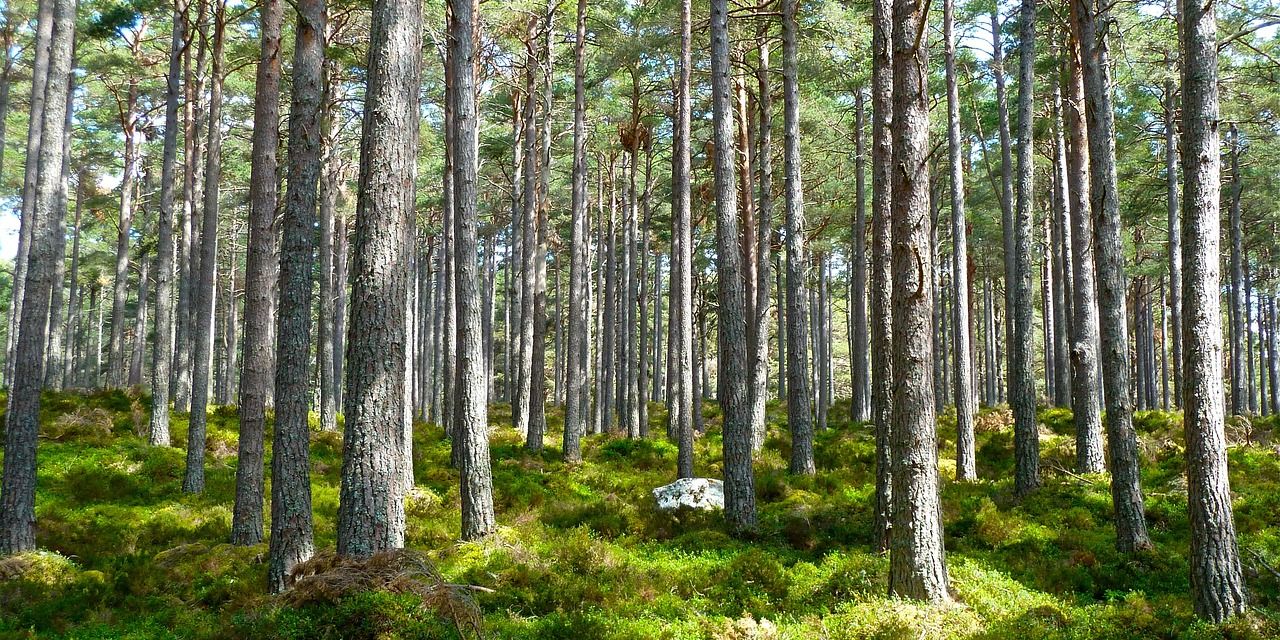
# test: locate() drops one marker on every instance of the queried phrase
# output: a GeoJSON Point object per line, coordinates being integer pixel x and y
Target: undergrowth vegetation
{"type": "Point", "coordinates": [582, 553]}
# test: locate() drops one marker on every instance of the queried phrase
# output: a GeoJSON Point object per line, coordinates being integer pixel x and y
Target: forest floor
{"type": "Point", "coordinates": [582, 553]}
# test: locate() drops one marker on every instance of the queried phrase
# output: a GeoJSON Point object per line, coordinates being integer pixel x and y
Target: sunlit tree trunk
{"type": "Point", "coordinates": [881, 251]}
{"type": "Point", "coordinates": [966, 468]}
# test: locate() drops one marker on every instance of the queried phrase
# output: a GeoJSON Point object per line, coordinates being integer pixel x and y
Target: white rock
{"type": "Point", "coordinates": [703, 494]}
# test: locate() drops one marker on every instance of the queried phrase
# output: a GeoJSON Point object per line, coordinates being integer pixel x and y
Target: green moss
{"type": "Point", "coordinates": [582, 552]}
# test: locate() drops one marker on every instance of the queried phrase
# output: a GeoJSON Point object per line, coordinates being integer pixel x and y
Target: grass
{"type": "Point", "coordinates": [582, 553]}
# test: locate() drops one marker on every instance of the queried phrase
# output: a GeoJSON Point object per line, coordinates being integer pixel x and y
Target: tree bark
{"type": "Point", "coordinates": [917, 563]}
{"type": "Point", "coordinates": [471, 420]}
{"type": "Point", "coordinates": [881, 251]}
{"type": "Point", "coordinates": [1086, 387]}
{"type": "Point", "coordinates": [1126, 490]}
{"type": "Point", "coordinates": [683, 401]}
{"type": "Point", "coordinates": [739, 478]}
{"type": "Point", "coordinates": [204, 292]}
{"type": "Point", "coordinates": [1174, 235]}
{"type": "Point", "coordinates": [1022, 387]}
{"type": "Point", "coordinates": [575, 422]}
{"type": "Point", "coordinates": [1217, 584]}
{"type": "Point", "coordinates": [18, 486]}
{"type": "Point", "coordinates": [246, 521]}
{"type": "Point", "coordinates": [966, 468]}
{"type": "Point", "coordinates": [291, 528]}
{"type": "Point", "coordinates": [1239, 391]}
{"type": "Point", "coordinates": [860, 373]}
{"type": "Point", "coordinates": [799, 402]}
{"type": "Point", "coordinates": [371, 511]}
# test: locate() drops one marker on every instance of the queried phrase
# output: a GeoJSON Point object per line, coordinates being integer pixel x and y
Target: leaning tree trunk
{"type": "Point", "coordinates": [246, 520]}
{"type": "Point", "coordinates": [881, 252]}
{"type": "Point", "coordinates": [799, 403]}
{"type": "Point", "coordinates": [739, 478]}
{"type": "Point", "coordinates": [1086, 388]}
{"type": "Point", "coordinates": [204, 294]}
{"type": "Point", "coordinates": [917, 563]}
{"type": "Point", "coordinates": [27, 216]}
{"type": "Point", "coordinates": [1217, 583]}
{"type": "Point", "coordinates": [18, 492]}
{"type": "Point", "coordinates": [471, 424]}
{"type": "Point", "coordinates": [966, 468]}
{"type": "Point", "coordinates": [1122, 441]}
{"type": "Point", "coordinates": [371, 511]}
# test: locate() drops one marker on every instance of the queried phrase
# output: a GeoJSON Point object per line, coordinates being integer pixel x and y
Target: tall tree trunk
{"type": "Point", "coordinates": [881, 254]}
{"type": "Point", "coordinates": [330, 187]}
{"type": "Point", "coordinates": [1006, 177]}
{"type": "Point", "coordinates": [261, 253]}
{"type": "Point", "coordinates": [538, 385]}
{"type": "Point", "coordinates": [739, 478]}
{"type": "Point", "coordinates": [523, 408]}
{"type": "Point", "coordinates": [18, 492]}
{"type": "Point", "coordinates": [575, 422]}
{"type": "Point", "coordinates": [1022, 386]}
{"type": "Point", "coordinates": [1063, 255]}
{"type": "Point", "coordinates": [75, 295]}
{"type": "Point", "coordinates": [27, 214]}
{"type": "Point", "coordinates": [1086, 387]}
{"type": "Point", "coordinates": [471, 421]}
{"type": "Point", "coordinates": [860, 373]}
{"type": "Point", "coordinates": [128, 185]}
{"type": "Point", "coordinates": [291, 528]}
{"type": "Point", "coordinates": [1239, 390]}
{"type": "Point", "coordinates": [204, 293]}
{"type": "Point", "coordinates": [1126, 490]}
{"type": "Point", "coordinates": [799, 402]}
{"type": "Point", "coordinates": [371, 512]}
{"type": "Point", "coordinates": [53, 370]}
{"type": "Point", "coordinates": [683, 401]}
{"type": "Point", "coordinates": [917, 564]}
{"type": "Point", "coordinates": [1174, 235]}
{"type": "Point", "coordinates": [966, 468]}
{"type": "Point", "coordinates": [1217, 584]}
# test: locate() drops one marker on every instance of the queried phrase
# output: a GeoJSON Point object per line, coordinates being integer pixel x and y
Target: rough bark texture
{"type": "Point", "coordinates": [523, 406]}
{"type": "Point", "coordinates": [881, 256]}
{"type": "Point", "coordinates": [27, 215]}
{"type": "Point", "coordinates": [371, 513]}
{"type": "Point", "coordinates": [917, 562]}
{"type": "Point", "coordinates": [799, 402]}
{"type": "Point", "coordinates": [1086, 409]}
{"type": "Point", "coordinates": [18, 488]}
{"type": "Point", "coordinates": [1022, 387]}
{"type": "Point", "coordinates": [203, 294]}
{"type": "Point", "coordinates": [246, 519]}
{"type": "Point", "coordinates": [1217, 585]}
{"type": "Point", "coordinates": [683, 401]}
{"type": "Point", "coordinates": [739, 478]}
{"type": "Point", "coordinates": [966, 467]}
{"type": "Point", "coordinates": [471, 423]}
{"type": "Point", "coordinates": [575, 421]}
{"type": "Point", "coordinates": [291, 537]}
{"type": "Point", "coordinates": [1122, 441]}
